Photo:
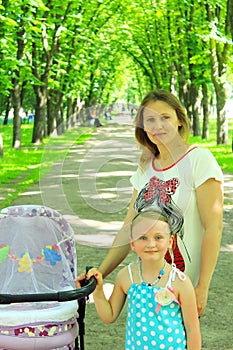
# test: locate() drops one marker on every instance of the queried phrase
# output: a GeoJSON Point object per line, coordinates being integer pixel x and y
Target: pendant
{"type": "Point", "coordinates": [164, 296]}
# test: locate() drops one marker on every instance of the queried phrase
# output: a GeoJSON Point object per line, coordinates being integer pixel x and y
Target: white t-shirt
{"type": "Point", "coordinates": [176, 185]}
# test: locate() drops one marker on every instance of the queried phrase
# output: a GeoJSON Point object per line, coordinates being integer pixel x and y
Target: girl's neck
{"type": "Point", "coordinates": [151, 271]}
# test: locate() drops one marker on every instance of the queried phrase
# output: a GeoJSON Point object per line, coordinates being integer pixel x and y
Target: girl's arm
{"type": "Point", "coordinates": [108, 310]}
{"type": "Point", "coordinates": [120, 247]}
{"type": "Point", "coordinates": [187, 299]}
{"type": "Point", "coordinates": [210, 205]}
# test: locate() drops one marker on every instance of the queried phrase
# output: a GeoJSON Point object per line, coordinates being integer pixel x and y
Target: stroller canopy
{"type": "Point", "coordinates": [37, 247]}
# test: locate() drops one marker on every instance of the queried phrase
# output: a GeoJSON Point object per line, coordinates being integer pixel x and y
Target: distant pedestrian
{"type": "Point", "coordinates": [107, 115]}
{"type": "Point", "coordinates": [97, 122]}
{"type": "Point", "coordinates": [132, 112]}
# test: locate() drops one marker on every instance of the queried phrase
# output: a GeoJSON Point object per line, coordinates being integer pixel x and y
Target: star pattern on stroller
{"type": "Point", "coordinates": [49, 253]}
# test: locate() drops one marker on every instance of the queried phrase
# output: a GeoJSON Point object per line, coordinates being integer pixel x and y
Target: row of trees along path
{"type": "Point", "coordinates": [58, 58]}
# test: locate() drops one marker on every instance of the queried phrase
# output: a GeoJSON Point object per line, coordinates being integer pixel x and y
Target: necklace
{"type": "Point", "coordinates": [161, 273]}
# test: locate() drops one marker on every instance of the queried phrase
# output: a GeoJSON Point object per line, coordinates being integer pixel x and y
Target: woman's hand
{"type": "Point", "coordinates": [201, 299]}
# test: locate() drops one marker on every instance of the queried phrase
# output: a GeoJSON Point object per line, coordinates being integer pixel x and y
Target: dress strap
{"type": "Point", "coordinates": [130, 272]}
{"type": "Point", "coordinates": [172, 275]}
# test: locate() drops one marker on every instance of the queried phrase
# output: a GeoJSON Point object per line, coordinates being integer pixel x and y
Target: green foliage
{"type": "Point", "coordinates": [97, 52]}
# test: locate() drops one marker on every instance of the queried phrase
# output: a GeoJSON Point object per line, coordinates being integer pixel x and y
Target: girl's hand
{"type": "Point", "coordinates": [97, 274]}
{"type": "Point", "coordinates": [86, 276]}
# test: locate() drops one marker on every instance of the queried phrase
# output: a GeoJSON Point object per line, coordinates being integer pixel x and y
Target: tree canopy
{"type": "Point", "coordinates": [57, 58]}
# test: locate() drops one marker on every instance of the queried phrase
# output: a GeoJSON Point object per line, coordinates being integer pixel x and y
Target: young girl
{"type": "Point", "coordinates": [162, 310]}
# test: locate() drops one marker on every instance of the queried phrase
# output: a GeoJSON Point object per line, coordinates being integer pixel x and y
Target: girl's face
{"type": "Point", "coordinates": [151, 238]}
{"type": "Point", "coordinates": [160, 122]}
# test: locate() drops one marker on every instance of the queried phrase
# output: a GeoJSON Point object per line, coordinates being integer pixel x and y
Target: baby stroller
{"type": "Point", "coordinates": [38, 298]}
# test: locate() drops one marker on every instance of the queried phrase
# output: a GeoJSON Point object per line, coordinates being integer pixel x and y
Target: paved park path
{"type": "Point", "coordinates": [90, 185]}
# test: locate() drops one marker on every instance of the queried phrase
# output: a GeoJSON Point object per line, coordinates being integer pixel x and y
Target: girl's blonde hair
{"type": "Point", "coordinates": [151, 214]}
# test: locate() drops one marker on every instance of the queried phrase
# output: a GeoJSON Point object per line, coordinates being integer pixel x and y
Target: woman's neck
{"type": "Point", "coordinates": [168, 156]}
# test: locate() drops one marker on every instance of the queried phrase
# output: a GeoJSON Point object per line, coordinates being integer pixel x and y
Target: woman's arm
{"type": "Point", "coordinates": [108, 310]}
{"type": "Point", "coordinates": [190, 315]}
{"type": "Point", "coordinates": [120, 247]}
{"type": "Point", "coordinates": [210, 206]}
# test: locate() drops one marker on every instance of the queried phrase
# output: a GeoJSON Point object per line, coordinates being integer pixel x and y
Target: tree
{"type": "Point", "coordinates": [59, 58]}
{"type": "Point", "coordinates": [45, 44]}
{"type": "Point", "coordinates": [17, 87]}
{"type": "Point", "coordinates": [219, 47]}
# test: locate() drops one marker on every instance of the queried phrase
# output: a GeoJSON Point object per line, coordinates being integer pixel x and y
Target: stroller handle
{"type": "Point", "coordinates": [57, 296]}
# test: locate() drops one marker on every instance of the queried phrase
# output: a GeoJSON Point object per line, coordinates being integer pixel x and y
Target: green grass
{"type": "Point", "coordinates": [21, 168]}
{"type": "Point", "coordinates": [223, 153]}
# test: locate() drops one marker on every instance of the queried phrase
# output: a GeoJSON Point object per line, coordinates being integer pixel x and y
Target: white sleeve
{"type": "Point", "coordinates": [138, 179]}
{"type": "Point", "coordinates": [135, 178]}
{"type": "Point", "coordinates": [206, 167]}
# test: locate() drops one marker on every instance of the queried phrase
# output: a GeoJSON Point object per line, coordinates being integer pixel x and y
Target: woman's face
{"type": "Point", "coordinates": [160, 123]}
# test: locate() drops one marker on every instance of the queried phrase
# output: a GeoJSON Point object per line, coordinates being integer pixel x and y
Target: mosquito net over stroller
{"type": "Point", "coordinates": [38, 297]}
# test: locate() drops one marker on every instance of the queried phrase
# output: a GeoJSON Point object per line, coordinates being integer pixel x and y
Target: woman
{"type": "Point", "coordinates": [174, 175]}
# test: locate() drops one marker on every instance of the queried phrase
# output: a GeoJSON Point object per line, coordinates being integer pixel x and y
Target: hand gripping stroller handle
{"type": "Point", "coordinates": [57, 296]}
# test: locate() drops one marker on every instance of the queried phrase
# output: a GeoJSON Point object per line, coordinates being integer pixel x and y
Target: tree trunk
{"type": "Point", "coordinates": [218, 63]}
{"type": "Point", "coordinates": [222, 120]}
{"type": "Point", "coordinates": [16, 95]}
{"type": "Point", "coordinates": [55, 115]}
{"type": "Point", "coordinates": [182, 86]}
{"type": "Point", "coordinates": [205, 107]}
{"type": "Point", "coordinates": [59, 113]}
{"type": "Point", "coordinates": [51, 121]}
{"type": "Point", "coordinates": [1, 146]}
{"type": "Point", "coordinates": [16, 103]}
{"type": "Point", "coordinates": [193, 93]}
{"type": "Point", "coordinates": [73, 109]}
{"type": "Point", "coordinates": [39, 129]}
{"type": "Point", "coordinates": [69, 114]}
{"type": "Point", "coordinates": [8, 107]}
{"type": "Point", "coordinates": [219, 79]}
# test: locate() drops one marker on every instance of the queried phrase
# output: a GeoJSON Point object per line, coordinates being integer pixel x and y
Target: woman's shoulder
{"type": "Point", "coordinates": [200, 152]}
{"type": "Point", "coordinates": [205, 163]}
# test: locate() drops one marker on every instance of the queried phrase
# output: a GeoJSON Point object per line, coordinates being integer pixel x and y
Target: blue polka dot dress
{"type": "Point", "coordinates": [151, 325]}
